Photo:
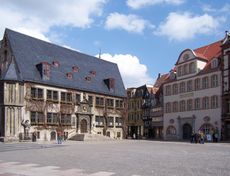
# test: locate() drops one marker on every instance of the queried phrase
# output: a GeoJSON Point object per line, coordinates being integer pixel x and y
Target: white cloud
{"type": "Point", "coordinates": [130, 23]}
{"type": "Point", "coordinates": [137, 4]}
{"type": "Point", "coordinates": [37, 17]}
{"type": "Point", "coordinates": [132, 71]}
{"type": "Point", "coordinates": [183, 26]}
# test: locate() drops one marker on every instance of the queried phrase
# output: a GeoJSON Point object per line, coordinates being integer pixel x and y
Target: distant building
{"type": "Point", "coordinates": [154, 106]}
{"type": "Point", "coordinates": [226, 87]}
{"type": "Point", "coordinates": [136, 97]}
{"type": "Point", "coordinates": [192, 93]}
{"type": "Point", "coordinates": [47, 90]}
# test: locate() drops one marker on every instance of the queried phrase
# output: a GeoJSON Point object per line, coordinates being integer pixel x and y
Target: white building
{"type": "Point", "coordinates": [192, 94]}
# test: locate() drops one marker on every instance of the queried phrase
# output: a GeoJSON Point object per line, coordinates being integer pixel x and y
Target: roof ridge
{"type": "Point", "coordinates": [72, 50]}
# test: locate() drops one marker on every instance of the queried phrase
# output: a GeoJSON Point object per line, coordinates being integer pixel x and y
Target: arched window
{"type": "Point", "coordinates": [171, 130]}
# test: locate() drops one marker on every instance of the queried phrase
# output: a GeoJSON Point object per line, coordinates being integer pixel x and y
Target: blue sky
{"type": "Point", "coordinates": [144, 37]}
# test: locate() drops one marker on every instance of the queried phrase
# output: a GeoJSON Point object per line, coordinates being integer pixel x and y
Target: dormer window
{"type": "Point", "coordinates": [44, 70]}
{"type": "Point", "coordinates": [69, 75]}
{"type": "Point", "coordinates": [56, 64]}
{"type": "Point", "coordinates": [88, 78]}
{"type": "Point", "coordinates": [110, 83]}
{"type": "Point", "coordinates": [93, 72]}
{"type": "Point", "coordinates": [214, 63]}
{"type": "Point", "coordinates": [75, 68]}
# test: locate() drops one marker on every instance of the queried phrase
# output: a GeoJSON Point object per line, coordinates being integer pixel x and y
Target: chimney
{"type": "Point", "coordinates": [159, 75]}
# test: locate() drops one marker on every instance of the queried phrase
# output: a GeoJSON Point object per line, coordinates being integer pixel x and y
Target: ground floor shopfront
{"type": "Point", "coordinates": [181, 126]}
{"type": "Point", "coordinates": [135, 132]}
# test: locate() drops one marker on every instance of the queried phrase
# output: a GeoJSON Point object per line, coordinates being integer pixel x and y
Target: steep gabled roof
{"type": "Point", "coordinates": [209, 51]}
{"type": "Point", "coordinates": [161, 79]}
{"type": "Point", "coordinates": [29, 51]}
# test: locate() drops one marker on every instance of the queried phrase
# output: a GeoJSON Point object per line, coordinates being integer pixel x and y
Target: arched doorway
{"type": "Point", "coordinates": [53, 136]}
{"type": "Point", "coordinates": [187, 131]}
{"type": "Point", "coordinates": [83, 126]}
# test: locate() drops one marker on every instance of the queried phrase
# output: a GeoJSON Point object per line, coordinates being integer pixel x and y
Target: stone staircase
{"type": "Point", "coordinates": [90, 137]}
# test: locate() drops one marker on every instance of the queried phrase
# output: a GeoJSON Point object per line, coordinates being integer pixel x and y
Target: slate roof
{"type": "Point", "coordinates": [28, 52]}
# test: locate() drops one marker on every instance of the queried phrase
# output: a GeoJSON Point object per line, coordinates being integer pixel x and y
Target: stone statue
{"type": "Point", "coordinates": [26, 125]}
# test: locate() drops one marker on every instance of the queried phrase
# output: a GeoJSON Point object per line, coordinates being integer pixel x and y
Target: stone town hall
{"type": "Point", "coordinates": [45, 88]}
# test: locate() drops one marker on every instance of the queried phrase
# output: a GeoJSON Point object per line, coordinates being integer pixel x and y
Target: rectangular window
{"type": "Point", "coordinates": [182, 87]}
{"type": "Point", "coordinates": [189, 105]}
{"type": "Point", "coordinates": [99, 121]}
{"type": "Point", "coordinates": [36, 93]}
{"type": "Point", "coordinates": [78, 98]}
{"type": "Point", "coordinates": [52, 95]}
{"type": "Point", "coordinates": [182, 105]}
{"type": "Point", "coordinates": [197, 84]}
{"type": "Point", "coordinates": [110, 103]}
{"type": "Point", "coordinates": [175, 89]}
{"type": "Point", "coordinates": [214, 101]}
{"type": "Point", "coordinates": [175, 107]}
{"type": "Point", "coordinates": [168, 90]}
{"type": "Point", "coordinates": [197, 103]}
{"type": "Point", "coordinates": [214, 81]}
{"type": "Point", "coordinates": [33, 117]}
{"type": "Point", "coordinates": [205, 103]}
{"type": "Point", "coordinates": [110, 122]}
{"type": "Point", "coordinates": [36, 118]}
{"type": "Point", "coordinates": [99, 101]}
{"type": "Point", "coordinates": [189, 86]}
{"type": "Point", "coordinates": [118, 122]}
{"type": "Point", "coordinates": [52, 118]}
{"type": "Point", "coordinates": [90, 100]}
{"type": "Point", "coordinates": [205, 82]}
{"type": "Point", "coordinates": [66, 97]}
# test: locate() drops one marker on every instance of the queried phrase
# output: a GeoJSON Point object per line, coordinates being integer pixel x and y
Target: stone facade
{"type": "Point", "coordinates": [226, 87]}
{"type": "Point", "coordinates": [192, 94]}
{"type": "Point", "coordinates": [44, 110]}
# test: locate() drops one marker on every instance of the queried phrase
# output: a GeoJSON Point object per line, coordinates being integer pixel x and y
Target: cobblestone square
{"type": "Point", "coordinates": [117, 158]}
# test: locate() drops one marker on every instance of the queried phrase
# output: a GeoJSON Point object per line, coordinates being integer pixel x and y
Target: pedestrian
{"type": "Point", "coordinates": [134, 136]}
{"type": "Point", "coordinates": [201, 137]}
{"type": "Point", "coordinates": [59, 138]}
{"type": "Point", "coordinates": [192, 137]}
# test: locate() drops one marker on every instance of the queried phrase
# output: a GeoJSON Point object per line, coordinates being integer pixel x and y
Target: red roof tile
{"type": "Point", "coordinates": [209, 51]}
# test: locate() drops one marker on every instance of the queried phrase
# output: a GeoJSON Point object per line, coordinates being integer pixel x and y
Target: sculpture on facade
{"type": "Point", "coordinates": [26, 125]}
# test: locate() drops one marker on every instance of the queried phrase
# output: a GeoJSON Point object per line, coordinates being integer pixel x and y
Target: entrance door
{"type": "Point", "coordinates": [83, 126]}
{"type": "Point", "coordinates": [53, 135]}
{"type": "Point", "coordinates": [228, 131]}
{"type": "Point", "coordinates": [187, 131]}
